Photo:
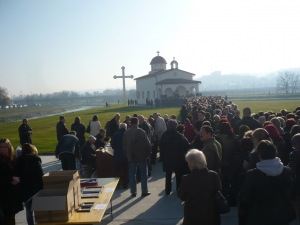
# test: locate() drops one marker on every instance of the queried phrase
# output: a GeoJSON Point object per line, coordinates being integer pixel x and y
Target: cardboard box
{"type": "Point", "coordinates": [61, 179]}
{"type": "Point", "coordinates": [52, 205]}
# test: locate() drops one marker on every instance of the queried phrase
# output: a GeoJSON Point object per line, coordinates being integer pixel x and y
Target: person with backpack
{"type": "Point", "coordinates": [137, 148]}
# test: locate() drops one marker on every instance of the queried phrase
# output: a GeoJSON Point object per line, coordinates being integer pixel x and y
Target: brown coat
{"type": "Point", "coordinates": [129, 136]}
{"type": "Point", "coordinates": [198, 190]}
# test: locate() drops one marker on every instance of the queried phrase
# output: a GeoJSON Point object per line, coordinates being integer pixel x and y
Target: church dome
{"type": "Point", "coordinates": [158, 59]}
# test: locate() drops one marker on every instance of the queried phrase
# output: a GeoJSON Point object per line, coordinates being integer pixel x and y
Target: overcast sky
{"type": "Point", "coordinates": [48, 46]}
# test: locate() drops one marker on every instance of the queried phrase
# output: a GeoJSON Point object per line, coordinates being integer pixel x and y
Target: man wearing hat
{"type": "Point", "coordinates": [88, 152]}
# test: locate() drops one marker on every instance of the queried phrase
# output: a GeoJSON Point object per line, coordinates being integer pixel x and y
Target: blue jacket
{"type": "Point", "coordinates": [117, 145]}
{"type": "Point", "coordinates": [68, 143]}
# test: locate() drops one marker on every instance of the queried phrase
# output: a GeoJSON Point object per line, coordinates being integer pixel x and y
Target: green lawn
{"type": "Point", "coordinates": [44, 129]}
{"type": "Point", "coordinates": [266, 105]}
{"type": "Point", "coordinates": [44, 133]}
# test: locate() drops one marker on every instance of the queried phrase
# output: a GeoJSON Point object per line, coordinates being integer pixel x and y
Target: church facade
{"type": "Point", "coordinates": [164, 83]}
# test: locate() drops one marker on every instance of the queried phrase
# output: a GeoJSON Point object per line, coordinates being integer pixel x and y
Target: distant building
{"type": "Point", "coordinates": [216, 73]}
{"type": "Point", "coordinates": [161, 82]}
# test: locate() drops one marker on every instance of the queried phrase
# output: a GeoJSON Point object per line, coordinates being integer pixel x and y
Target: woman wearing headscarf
{"type": "Point", "coordinates": [10, 201]}
{"type": "Point", "coordinates": [189, 132]}
{"type": "Point", "coordinates": [279, 143]}
{"type": "Point", "coordinates": [198, 191]}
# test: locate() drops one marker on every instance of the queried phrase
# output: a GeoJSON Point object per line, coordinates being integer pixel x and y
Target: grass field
{"type": "Point", "coordinates": [44, 133]}
{"type": "Point", "coordinates": [44, 129]}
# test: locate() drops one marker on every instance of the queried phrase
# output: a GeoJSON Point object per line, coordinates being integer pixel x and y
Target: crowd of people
{"type": "Point", "coordinates": [253, 159]}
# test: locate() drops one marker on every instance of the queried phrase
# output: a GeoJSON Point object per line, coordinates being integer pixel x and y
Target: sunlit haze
{"type": "Point", "coordinates": [49, 46]}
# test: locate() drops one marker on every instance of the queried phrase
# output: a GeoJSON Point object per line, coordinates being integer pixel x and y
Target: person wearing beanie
{"type": "Point", "coordinates": [279, 142]}
{"type": "Point", "coordinates": [173, 147]}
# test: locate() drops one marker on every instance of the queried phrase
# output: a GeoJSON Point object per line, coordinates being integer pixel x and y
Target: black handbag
{"type": "Point", "coordinates": [88, 129]}
{"type": "Point", "coordinates": [222, 205]}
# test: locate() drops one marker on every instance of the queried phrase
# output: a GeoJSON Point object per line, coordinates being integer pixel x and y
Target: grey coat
{"type": "Point", "coordinates": [129, 136]}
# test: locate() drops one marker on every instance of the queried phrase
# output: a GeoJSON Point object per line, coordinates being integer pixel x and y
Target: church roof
{"type": "Point", "coordinates": [161, 72]}
{"type": "Point", "coordinates": [177, 81]}
{"type": "Point", "coordinates": [158, 59]}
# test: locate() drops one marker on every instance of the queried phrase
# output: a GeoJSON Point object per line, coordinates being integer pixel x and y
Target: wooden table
{"type": "Point", "coordinates": [95, 216]}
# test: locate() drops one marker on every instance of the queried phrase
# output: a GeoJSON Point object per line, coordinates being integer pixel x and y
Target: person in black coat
{"type": "Point", "coordinates": [113, 125]}
{"type": "Point", "coordinates": [121, 161]}
{"type": "Point", "coordinates": [10, 199]}
{"type": "Point", "coordinates": [25, 132]}
{"type": "Point", "coordinates": [79, 128]}
{"type": "Point", "coordinates": [30, 172]}
{"type": "Point", "coordinates": [101, 139]}
{"type": "Point", "coordinates": [247, 120]}
{"type": "Point", "coordinates": [61, 128]}
{"type": "Point", "coordinates": [88, 153]}
{"type": "Point", "coordinates": [198, 191]}
{"type": "Point", "coordinates": [294, 164]}
{"type": "Point", "coordinates": [264, 198]}
{"type": "Point", "coordinates": [258, 135]}
{"type": "Point", "coordinates": [173, 148]}
{"type": "Point", "coordinates": [236, 171]}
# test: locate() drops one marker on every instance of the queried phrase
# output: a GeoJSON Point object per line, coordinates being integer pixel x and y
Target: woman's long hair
{"type": "Point", "coordinates": [225, 128]}
{"type": "Point", "coordinates": [10, 152]}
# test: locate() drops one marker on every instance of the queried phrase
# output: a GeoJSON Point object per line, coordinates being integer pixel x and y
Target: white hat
{"type": "Point", "coordinates": [166, 116]}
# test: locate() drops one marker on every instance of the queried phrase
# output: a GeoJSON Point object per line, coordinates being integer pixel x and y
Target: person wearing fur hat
{"type": "Point", "coordinates": [173, 147]}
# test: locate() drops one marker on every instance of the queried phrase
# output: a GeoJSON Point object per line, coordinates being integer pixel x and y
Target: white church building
{"type": "Point", "coordinates": [162, 82]}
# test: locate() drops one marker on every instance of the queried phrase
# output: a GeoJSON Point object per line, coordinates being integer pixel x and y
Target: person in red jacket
{"type": "Point", "coordinates": [189, 132]}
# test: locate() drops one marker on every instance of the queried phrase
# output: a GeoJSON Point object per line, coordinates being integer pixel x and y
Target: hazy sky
{"type": "Point", "coordinates": [48, 46]}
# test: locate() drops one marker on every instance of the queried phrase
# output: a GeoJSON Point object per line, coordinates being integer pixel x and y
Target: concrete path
{"type": "Point", "coordinates": [156, 209]}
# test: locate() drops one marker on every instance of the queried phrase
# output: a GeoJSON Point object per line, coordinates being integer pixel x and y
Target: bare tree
{"type": "Point", "coordinates": [284, 80]}
{"type": "Point", "coordinates": [294, 82]}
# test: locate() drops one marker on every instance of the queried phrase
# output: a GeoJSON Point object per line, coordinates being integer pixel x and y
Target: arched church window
{"type": "Point", "coordinates": [142, 94]}
{"type": "Point", "coordinates": [153, 94]}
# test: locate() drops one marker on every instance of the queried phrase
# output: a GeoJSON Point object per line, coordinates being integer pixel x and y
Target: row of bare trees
{"type": "Point", "coordinates": [72, 94]}
{"type": "Point", "coordinates": [288, 81]}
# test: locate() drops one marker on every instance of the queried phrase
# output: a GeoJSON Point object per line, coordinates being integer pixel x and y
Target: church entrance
{"type": "Point", "coordinates": [169, 92]}
{"type": "Point", "coordinates": [148, 96]}
{"type": "Point", "coordinates": [181, 91]}
{"type": "Point", "coordinates": [192, 91]}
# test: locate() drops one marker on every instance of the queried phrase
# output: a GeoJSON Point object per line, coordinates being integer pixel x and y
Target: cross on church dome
{"type": "Point", "coordinates": [158, 53]}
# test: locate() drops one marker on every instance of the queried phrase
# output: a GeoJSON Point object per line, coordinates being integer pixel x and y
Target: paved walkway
{"type": "Point", "coordinates": [155, 209]}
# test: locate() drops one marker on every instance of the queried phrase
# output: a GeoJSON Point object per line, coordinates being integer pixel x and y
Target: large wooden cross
{"type": "Point", "coordinates": [123, 76]}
